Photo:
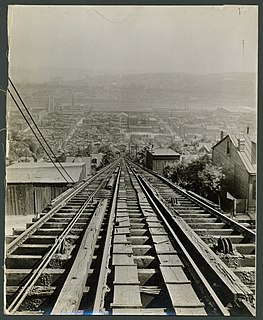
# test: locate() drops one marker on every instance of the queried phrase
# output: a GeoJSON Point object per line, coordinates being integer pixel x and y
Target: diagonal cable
{"type": "Point", "coordinates": [13, 98]}
{"type": "Point", "coordinates": [12, 84]}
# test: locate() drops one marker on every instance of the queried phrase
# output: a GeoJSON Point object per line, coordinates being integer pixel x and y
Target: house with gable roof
{"type": "Point", "coordinates": [237, 156]}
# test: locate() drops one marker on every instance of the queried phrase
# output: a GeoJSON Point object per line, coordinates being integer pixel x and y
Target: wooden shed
{"type": "Point", "coordinates": [158, 159]}
{"type": "Point", "coordinates": [31, 186]}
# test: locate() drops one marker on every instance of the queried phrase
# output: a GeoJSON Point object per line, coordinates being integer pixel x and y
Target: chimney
{"type": "Point", "coordinates": [241, 144]}
{"type": "Point", "coordinates": [247, 129]}
{"type": "Point", "coordinates": [221, 135]}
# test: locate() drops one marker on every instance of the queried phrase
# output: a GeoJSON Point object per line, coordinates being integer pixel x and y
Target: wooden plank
{"type": "Point", "coordinates": [122, 219]}
{"type": "Point", "coordinates": [121, 230]}
{"type": "Point", "coordinates": [121, 205]}
{"type": "Point", "coordinates": [126, 296]}
{"type": "Point", "coordinates": [126, 275]}
{"type": "Point", "coordinates": [160, 238]}
{"type": "Point", "coordinates": [122, 214]}
{"type": "Point", "coordinates": [200, 311]}
{"type": "Point", "coordinates": [183, 295]}
{"type": "Point", "coordinates": [157, 231]}
{"type": "Point", "coordinates": [120, 238]}
{"type": "Point", "coordinates": [153, 224]}
{"type": "Point", "coordinates": [71, 293]}
{"type": "Point", "coordinates": [152, 219]}
{"type": "Point", "coordinates": [172, 274]}
{"type": "Point", "coordinates": [139, 312]}
{"type": "Point", "coordinates": [170, 260]}
{"type": "Point", "coordinates": [164, 248]}
{"type": "Point", "coordinates": [125, 248]}
{"type": "Point", "coordinates": [122, 259]}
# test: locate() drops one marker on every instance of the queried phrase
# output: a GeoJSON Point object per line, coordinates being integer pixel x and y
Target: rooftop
{"type": "Point", "coordinates": [122, 114]}
{"type": "Point", "coordinates": [245, 155]}
{"type": "Point", "coordinates": [42, 172]}
{"type": "Point", "coordinates": [164, 152]}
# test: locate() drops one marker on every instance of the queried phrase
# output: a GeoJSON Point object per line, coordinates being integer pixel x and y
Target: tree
{"type": "Point", "coordinates": [212, 181]}
{"type": "Point", "coordinates": [141, 155]}
{"type": "Point", "coordinates": [189, 173]}
{"type": "Point", "coordinates": [108, 157]}
{"type": "Point", "coordinates": [199, 176]}
{"type": "Point", "coordinates": [21, 146]}
{"type": "Point", "coordinates": [177, 146]}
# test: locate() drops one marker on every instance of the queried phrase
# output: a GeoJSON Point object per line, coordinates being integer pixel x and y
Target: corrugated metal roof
{"type": "Point", "coordinates": [42, 172]}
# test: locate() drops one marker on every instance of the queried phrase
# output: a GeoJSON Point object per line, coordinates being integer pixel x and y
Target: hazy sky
{"type": "Point", "coordinates": [135, 39]}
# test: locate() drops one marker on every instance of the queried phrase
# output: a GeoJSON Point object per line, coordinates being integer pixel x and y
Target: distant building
{"type": "Point", "coordinates": [31, 186]}
{"type": "Point", "coordinates": [133, 120]}
{"type": "Point", "coordinates": [204, 148]}
{"type": "Point", "coordinates": [158, 159]}
{"type": "Point", "coordinates": [212, 131]}
{"type": "Point", "coordinates": [141, 128]}
{"type": "Point", "coordinates": [86, 160]}
{"type": "Point", "coordinates": [123, 121]}
{"type": "Point", "coordinates": [192, 130]}
{"type": "Point", "coordinates": [237, 156]}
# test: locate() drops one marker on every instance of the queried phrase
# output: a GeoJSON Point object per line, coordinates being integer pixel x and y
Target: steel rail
{"type": "Point", "coordinates": [242, 229]}
{"type": "Point", "coordinates": [46, 259]}
{"type": "Point", "coordinates": [216, 301]}
{"type": "Point", "coordinates": [11, 247]}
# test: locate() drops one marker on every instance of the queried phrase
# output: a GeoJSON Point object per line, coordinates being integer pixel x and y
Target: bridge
{"type": "Point", "coordinates": [127, 241]}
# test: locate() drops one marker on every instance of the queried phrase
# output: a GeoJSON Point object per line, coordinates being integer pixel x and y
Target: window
{"type": "Point", "coordinates": [228, 147]}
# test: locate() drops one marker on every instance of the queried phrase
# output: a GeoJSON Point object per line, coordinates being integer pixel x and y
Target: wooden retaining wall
{"type": "Point", "coordinates": [29, 198]}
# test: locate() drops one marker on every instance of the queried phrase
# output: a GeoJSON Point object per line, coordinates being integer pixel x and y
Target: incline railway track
{"type": "Point", "coordinates": [112, 245]}
{"type": "Point", "coordinates": [233, 242]}
{"type": "Point", "coordinates": [42, 254]}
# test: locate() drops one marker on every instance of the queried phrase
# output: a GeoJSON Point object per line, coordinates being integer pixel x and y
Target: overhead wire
{"type": "Point", "coordinates": [42, 136]}
{"type": "Point", "coordinates": [40, 142]}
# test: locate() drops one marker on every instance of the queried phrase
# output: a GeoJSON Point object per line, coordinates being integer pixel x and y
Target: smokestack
{"type": "Point", "coordinates": [247, 129]}
{"type": "Point", "coordinates": [241, 144]}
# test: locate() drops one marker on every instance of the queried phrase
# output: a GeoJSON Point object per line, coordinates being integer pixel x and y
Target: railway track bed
{"type": "Point", "coordinates": [233, 242]}
{"type": "Point", "coordinates": [116, 245]}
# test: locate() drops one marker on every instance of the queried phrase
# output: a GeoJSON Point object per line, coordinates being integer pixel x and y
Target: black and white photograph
{"type": "Point", "coordinates": [131, 160]}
